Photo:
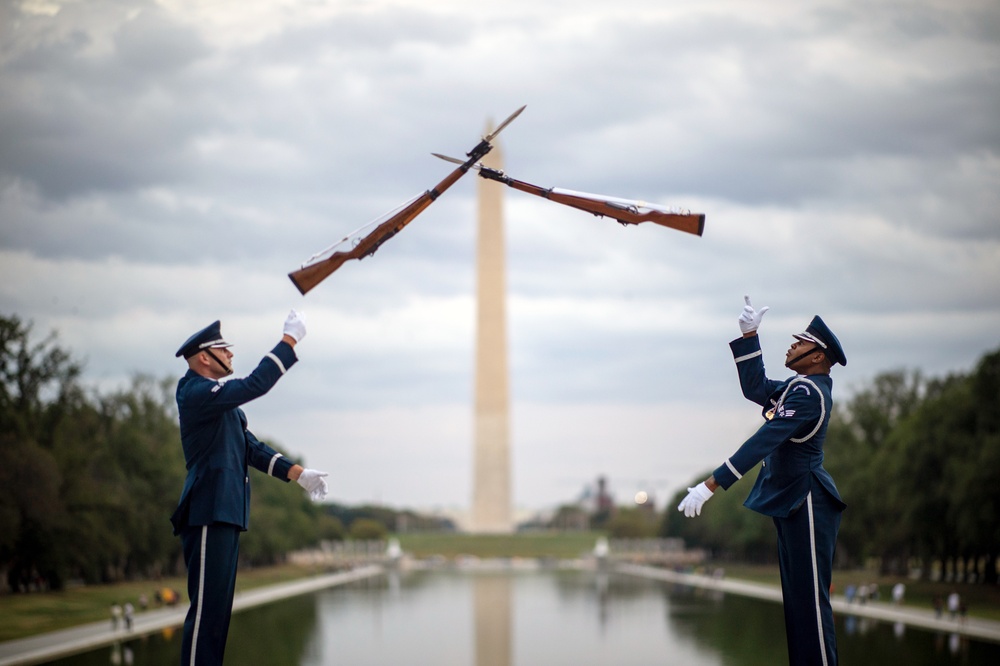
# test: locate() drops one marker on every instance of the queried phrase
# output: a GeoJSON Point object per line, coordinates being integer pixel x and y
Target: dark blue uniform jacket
{"type": "Point", "coordinates": [219, 449]}
{"type": "Point", "coordinates": [796, 411]}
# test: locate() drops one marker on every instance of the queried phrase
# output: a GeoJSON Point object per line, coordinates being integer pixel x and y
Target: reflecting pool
{"type": "Point", "coordinates": [535, 617]}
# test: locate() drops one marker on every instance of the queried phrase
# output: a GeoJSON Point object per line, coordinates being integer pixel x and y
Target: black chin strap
{"type": "Point", "coordinates": [801, 356]}
{"type": "Point", "coordinates": [225, 367]}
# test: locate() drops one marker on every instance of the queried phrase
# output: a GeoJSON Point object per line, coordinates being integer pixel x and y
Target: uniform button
{"type": "Point", "coordinates": [246, 479]}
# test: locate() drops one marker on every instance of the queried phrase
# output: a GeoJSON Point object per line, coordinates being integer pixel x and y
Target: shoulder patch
{"type": "Point", "coordinates": [802, 387]}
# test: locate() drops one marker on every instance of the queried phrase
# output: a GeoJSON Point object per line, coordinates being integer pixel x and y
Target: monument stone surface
{"type": "Point", "coordinates": [491, 501]}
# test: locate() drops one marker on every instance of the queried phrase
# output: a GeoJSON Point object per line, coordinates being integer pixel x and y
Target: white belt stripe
{"type": "Point", "coordinates": [281, 366]}
{"type": "Point", "coordinates": [201, 594]}
{"type": "Point", "coordinates": [733, 469]}
{"type": "Point", "coordinates": [270, 467]}
{"type": "Point", "coordinates": [822, 409]}
{"type": "Point", "coordinates": [812, 547]}
{"type": "Point", "coordinates": [740, 359]}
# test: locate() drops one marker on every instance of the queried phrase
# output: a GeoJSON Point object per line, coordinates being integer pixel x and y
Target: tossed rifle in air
{"type": "Point", "coordinates": [365, 241]}
{"type": "Point", "coordinates": [625, 211]}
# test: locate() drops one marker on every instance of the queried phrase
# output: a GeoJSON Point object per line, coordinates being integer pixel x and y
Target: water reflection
{"type": "Point", "coordinates": [290, 626]}
{"type": "Point", "coordinates": [492, 612]}
{"type": "Point", "coordinates": [122, 655]}
{"type": "Point", "coordinates": [547, 617]}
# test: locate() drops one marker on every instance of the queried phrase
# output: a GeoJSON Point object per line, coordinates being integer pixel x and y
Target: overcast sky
{"type": "Point", "coordinates": [165, 164]}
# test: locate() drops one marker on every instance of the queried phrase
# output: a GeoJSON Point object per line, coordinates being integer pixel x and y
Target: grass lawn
{"type": "Point", "coordinates": [24, 615]}
{"type": "Point", "coordinates": [560, 545]}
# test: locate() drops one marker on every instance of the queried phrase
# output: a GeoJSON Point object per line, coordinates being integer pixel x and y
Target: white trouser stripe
{"type": "Point", "coordinates": [281, 366]}
{"type": "Point", "coordinates": [270, 467]}
{"type": "Point", "coordinates": [201, 594]}
{"type": "Point", "coordinates": [812, 547]}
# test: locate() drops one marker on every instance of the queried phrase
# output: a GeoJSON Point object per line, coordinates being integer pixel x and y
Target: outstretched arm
{"type": "Point", "coordinates": [207, 398]}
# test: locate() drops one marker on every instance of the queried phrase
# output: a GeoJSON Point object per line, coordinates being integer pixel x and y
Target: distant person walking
{"type": "Point", "coordinates": [792, 486]}
{"type": "Point", "coordinates": [116, 616]}
{"type": "Point", "coordinates": [214, 506]}
{"type": "Point", "coordinates": [128, 611]}
{"type": "Point", "coordinates": [938, 605]}
{"type": "Point", "coordinates": [954, 604]}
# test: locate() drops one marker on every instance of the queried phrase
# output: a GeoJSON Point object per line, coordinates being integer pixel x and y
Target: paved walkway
{"type": "Point", "coordinates": [987, 630]}
{"type": "Point", "coordinates": [55, 644]}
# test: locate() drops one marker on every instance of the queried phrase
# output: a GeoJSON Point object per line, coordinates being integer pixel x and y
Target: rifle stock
{"type": "Point", "coordinates": [311, 275]}
{"type": "Point", "coordinates": [308, 277]}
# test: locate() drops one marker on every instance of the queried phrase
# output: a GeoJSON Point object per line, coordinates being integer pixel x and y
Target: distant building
{"type": "Point", "coordinates": [604, 499]}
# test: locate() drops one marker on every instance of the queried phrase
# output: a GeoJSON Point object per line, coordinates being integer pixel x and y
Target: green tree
{"type": "Point", "coordinates": [38, 393]}
{"type": "Point", "coordinates": [916, 462]}
{"type": "Point", "coordinates": [366, 529]}
{"type": "Point", "coordinates": [330, 528]}
{"type": "Point", "coordinates": [146, 472]}
{"type": "Point", "coordinates": [859, 429]}
{"type": "Point", "coordinates": [89, 481]}
{"type": "Point", "coordinates": [632, 523]}
{"type": "Point", "coordinates": [971, 445]}
{"type": "Point", "coordinates": [979, 493]}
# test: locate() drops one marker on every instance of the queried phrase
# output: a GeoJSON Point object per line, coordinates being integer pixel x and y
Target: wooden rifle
{"type": "Point", "coordinates": [625, 211]}
{"type": "Point", "coordinates": [365, 241]}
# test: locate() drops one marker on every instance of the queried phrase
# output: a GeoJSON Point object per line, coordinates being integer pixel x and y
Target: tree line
{"type": "Point", "coordinates": [90, 480]}
{"type": "Point", "coordinates": [918, 462]}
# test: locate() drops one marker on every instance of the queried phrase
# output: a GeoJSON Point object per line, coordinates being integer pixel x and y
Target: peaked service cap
{"type": "Point", "coordinates": [208, 337]}
{"type": "Point", "coordinates": [817, 331]}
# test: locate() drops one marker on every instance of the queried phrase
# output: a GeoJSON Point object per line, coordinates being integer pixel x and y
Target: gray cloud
{"type": "Point", "coordinates": [162, 166]}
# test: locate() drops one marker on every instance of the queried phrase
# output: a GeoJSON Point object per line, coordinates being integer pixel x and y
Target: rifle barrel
{"type": "Point", "coordinates": [307, 277]}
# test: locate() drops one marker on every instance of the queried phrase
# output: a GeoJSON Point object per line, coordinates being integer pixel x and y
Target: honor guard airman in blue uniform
{"type": "Point", "coordinates": [214, 505]}
{"type": "Point", "coordinates": [792, 486]}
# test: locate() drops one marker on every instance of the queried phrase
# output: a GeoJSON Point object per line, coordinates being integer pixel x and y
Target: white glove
{"type": "Point", "coordinates": [696, 497]}
{"type": "Point", "coordinates": [295, 325]}
{"type": "Point", "coordinates": [750, 318]}
{"type": "Point", "coordinates": [314, 483]}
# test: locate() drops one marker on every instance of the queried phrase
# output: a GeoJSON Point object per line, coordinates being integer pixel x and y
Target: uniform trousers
{"type": "Point", "coordinates": [806, 543]}
{"type": "Point", "coordinates": [211, 553]}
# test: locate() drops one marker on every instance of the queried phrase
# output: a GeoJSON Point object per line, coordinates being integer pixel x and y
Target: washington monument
{"type": "Point", "coordinates": [491, 505]}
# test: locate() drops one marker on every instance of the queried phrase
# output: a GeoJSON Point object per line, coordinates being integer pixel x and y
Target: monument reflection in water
{"type": "Point", "coordinates": [528, 618]}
